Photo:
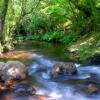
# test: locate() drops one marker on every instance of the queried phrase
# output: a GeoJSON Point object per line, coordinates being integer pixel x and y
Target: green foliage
{"type": "Point", "coordinates": [12, 12]}
{"type": "Point", "coordinates": [85, 53]}
{"type": "Point", "coordinates": [1, 48]}
{"type": "Point", "coordinates": [67, 38]}
{"type": "Point", "coordinates": [63, 21]}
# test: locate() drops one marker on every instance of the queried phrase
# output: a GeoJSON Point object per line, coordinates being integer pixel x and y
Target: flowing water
{"type": "Point", "coordinates": [63, 88]}
{"type": "Point", "coordinates": [66, 88]}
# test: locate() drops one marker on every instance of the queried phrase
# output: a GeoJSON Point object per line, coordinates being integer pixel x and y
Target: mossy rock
{"type": "Point", "coordinates": [64, 69]}
{"type": "Point", "coordinates": [14, 70]}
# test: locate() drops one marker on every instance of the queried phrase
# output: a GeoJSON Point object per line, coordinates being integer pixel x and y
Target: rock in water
{"type": "Point", "coordinates": [24, 89]}
{"type": "Point", "coordinates": [93, 88]}
{"type": "Point", "coordinates": [14, 70]}
{"type": "Point", "coordinates": [64, 69]}
{"type": "Point", "coordinates": [31, 90]}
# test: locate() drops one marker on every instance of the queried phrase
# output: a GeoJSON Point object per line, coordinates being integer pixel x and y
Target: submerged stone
{"type": "Point", "coordinates": [93, 89]}
{"type": "Point", "coordinates": [24, 89]}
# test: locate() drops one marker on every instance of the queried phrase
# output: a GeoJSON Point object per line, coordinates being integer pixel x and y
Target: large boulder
{"type": "Point", "coordinates": [63, 69]}
{"type": "Point", "coordinates": [14, 70]}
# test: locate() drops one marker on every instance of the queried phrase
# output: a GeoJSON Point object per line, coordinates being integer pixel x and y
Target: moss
{"type": "Point", "coordinates": [87, 47]}
{"type": "Point", "coordinates": [1, 48]}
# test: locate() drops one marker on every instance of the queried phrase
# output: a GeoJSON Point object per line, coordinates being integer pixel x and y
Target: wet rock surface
{"type": "Point", "coordinates": [12, 85]}
{"type": "Point", "coordinates": [9, 94]}
{"type": "Point", "coordinates": [20, 91]}
{"type": "Point", "coordinates": [63, 69]}
{"type": "Point", "coordinates": [13, 89]}
{"type": "Point", "coordinates": [24, 89]}
{"type": "Point", "coordinates": [14, 70]}
{"type": "Point", "coordinates": [93, 88]}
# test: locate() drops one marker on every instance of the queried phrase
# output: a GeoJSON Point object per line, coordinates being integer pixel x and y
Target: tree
{"type": "Point", "coordinates": [3, 12]}
{"type": "Point", "coordinates": [12, 12]}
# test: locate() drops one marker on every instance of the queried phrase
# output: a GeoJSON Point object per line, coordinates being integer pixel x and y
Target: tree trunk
{"type": "Point", "coordinates": [2, 19]}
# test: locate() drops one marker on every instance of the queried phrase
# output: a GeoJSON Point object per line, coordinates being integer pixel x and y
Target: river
{"type": "Point", "coordinates": [66, 88]}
